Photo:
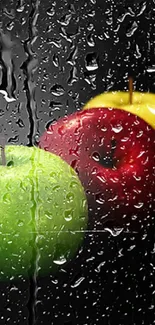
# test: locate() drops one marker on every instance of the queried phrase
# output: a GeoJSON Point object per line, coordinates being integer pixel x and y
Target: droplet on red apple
{"type": "Point", "coordinates": [139, 205]}
{"type": "Point", "coordinates": [96, 156]}
{"type": "Point", "coordinates": [117, 128]}
{"type": "Point", "coordinates": [113, 152]}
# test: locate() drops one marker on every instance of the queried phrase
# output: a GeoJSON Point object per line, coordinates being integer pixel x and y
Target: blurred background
{"type": "Point", "coordinates": [55, 56]}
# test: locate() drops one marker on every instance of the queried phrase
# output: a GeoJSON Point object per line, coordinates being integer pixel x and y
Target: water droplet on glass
{"type": "Point", "coordinates": [139, 205]}
{"type": "Point", "coordinates": [62, 260]}
{"type": "Point", "coordinates": [10, 25]}
{"type": "Point", "coordinates": [132, 29]}
{"type": "Point", "coordinates": [70, 197]}
{"type": "Point", "coordinates": [48, 215]}
{"type": "Point", "coordinates": [96, 156]}
{"type": "Point", "coordinates": [90, 40]}
{"type": "Point", "coordinates": [91, 62]}
{"type": "Point", "coordinates": [129, 12]}
{"type": "Point", "coordinates": [51, 11]}
{"type": "Point", "coordinates": [57, 90]}
{"type": "Point", "coordinates": [98, 269]}
{"type": "Point", "coordinates": [65, 20]}
{"type": "Point", "coordinates": [115, 231]}
{"type": "Point", "coordinates": [151, 69]}
{"type": "Point", "coordinates": [20, 223]}
{"type": "Point", "coordinates": [131, 247]}
{"type": "Point", "coordinates": [142, 8]}
{"type": "Point", "coordinates": [68, 215]}
{"type": "Point", "coordinates": [56, 60]}
{"type": "Point", "coordinates": [7, 198]}
{"type": "Point", "coordinates": [78, 282]}
{"type": "Point", "coordinates": [117, 128]}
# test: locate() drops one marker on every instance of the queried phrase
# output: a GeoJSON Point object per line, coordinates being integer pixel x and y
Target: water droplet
{"type": "Point", "coordinates": [65, 20]}
{"type": "Point", "coordinates": [96, 156]}
{"type": "Point", "coordinates": [20, 223]}
{"type": "Point", "coordinates": [137, 178]}
{"type": "Point", "coordinates": [70, 197]}
{"type": "Point", "coordinates": [57, 90]}
{"type": "Point", "coordinates": [151, 69]}
{"type": "Point", "coordinates": [10, 14]}
{"type": "Point", "coordinates": [134, 217]}
{"type": "Point", "coordinates": [73, 184]}
{"type": "Point", "coordinates": [91, 61]}
{"type": "Point", "coordinates": [90, 40]}
{"type": "Point", "coordinates": [10, 25]}
{"type": "Point", "coordinates": [56, 60]}
{"type": "Point", "coordinates": [131, 247]}
{"type": "Point", "coordinates": [142, 8]}
{"type": "Point", "coordinates": [21, 7]}
{"type": "Point", "coordinates": [6, 96]}
{"type": "Point", "coordinates": [78, 282]}
{"type": "Point", "coordinates": [7, 198]}
{"type": "Point", "coordinates": [53, 174]}
{"type": "Point", "coordinates": [101, 178]}
{"type": "Point", "coordinates": [137, 53]}
{"type": "Point", "coordinates": [68, 215]}
{"type": "Point", "coordinates": [132, 29]}
{"type": "Point", "coordinates": [99, 198]}
{"type": "Point", "coordinates": [51, 11]}
{"type": "Point", "coordinates": [20, 123]}
{"type": "Point", "coordinates": [139, 205]}
{"type": "Point", "coordinates": [117, 129]}
{"type": "Point", "coordinates": [73, 76]}
{"type": "Point", "coordinates": [56, 188]}
{"type": "Point", "coordinates": [62, 260]}
{"type": "Point", "coordinates": [98, 269]}
{"type": "Point", "coordinates": [128, 12]}
{"type": "Point", "coordinates": [115, 231]}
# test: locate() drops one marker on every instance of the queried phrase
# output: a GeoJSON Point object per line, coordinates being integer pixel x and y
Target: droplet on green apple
{"type": "Point", "coordinates": [37, 218]}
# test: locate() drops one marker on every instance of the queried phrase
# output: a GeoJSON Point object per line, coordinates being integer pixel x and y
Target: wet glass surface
{"type": "Point", "coordinates": [54, 57]}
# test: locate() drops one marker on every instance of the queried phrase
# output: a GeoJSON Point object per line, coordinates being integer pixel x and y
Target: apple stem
{"type": "Point", "coordinates": [3, 156]}
{"type": "Point", "coordinates": [131, 89]}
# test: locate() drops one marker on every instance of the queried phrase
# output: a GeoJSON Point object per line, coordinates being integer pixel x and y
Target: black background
{"type": "Point", "coordinates": [61, 53]}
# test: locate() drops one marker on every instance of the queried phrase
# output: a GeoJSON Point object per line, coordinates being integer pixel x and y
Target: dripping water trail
{"type": "Point", "coordinates": [2, 146]}
{"type": "Point", "coordinates": [33, 268]}
{"type": "Point", "coordinates": [33, 271]}
{"type": "Point", "coordinates": [29, 67]}
{"type": "Point", "coordinates": [8, 81]}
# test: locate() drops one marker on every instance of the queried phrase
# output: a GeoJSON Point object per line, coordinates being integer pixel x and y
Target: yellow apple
{"type": "Point", "coordinates": [143, 104]}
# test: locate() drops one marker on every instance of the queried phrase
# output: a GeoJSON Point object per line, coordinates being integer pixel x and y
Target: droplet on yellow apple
{"type": "Point", "coordinates": [143, 104]}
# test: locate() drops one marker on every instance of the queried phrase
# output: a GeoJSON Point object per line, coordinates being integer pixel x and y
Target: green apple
{"type": "Point", "coordinates": [43, 212]}
{"type": "Point", "coordinates": [143, 104]}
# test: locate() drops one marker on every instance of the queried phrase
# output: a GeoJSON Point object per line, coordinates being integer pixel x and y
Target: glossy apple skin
{"type": "Point", "coordinates": [120, 195]}
{"type": "Point", "coordinates": [43, 212]}
{"type": "Point", "coordinates": [143, 103]}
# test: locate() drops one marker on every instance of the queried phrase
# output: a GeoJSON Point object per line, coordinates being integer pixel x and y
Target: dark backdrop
{"type": "Point", "coordinates": [59, 54]}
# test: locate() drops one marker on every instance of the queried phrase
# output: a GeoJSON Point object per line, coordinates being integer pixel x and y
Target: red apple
{"type": "Point", "coordinates": [113, 152]}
